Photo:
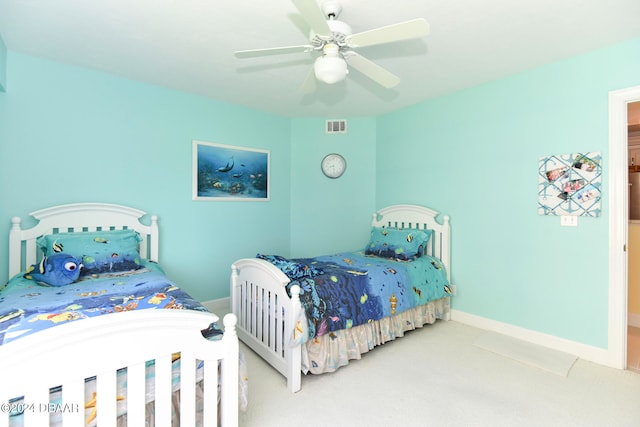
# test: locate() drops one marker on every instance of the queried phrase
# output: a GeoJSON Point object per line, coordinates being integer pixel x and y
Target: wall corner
{"type": "Point", "coordinates": [3, 66]}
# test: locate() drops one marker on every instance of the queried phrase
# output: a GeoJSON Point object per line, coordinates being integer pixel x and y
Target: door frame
{"type": "Point", "coordinates": [618, 224]}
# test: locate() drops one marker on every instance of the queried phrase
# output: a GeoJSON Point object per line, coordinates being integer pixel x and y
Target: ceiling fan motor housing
{"type": "Point", "coordinates": [331, 9]}
{"type": "Point", "coordinates": [339, 32]}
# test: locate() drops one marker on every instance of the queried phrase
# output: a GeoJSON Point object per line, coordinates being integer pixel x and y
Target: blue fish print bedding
{"type": "Point", "coordinates": [351, 288]}
{"type": "Point", "coordinates": [27, 307]}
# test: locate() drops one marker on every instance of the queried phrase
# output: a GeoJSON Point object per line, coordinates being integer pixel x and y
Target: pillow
{"type": "Point", "coordinates": [397, 243]}
{"type": "Point", "coordinates": [295, 270]}
{"type": "Point", "coordinates": [107, 251]}
{"type": "Point", "coordinates": [56, 270]}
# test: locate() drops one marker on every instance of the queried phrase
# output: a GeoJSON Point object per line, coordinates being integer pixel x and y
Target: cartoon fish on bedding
{"type": "Point", "coordinates": [56, 270]}
{"type": "Point", "coordinates": [65, 316]}
{"type": "Point", "coordinates": [11, 315]}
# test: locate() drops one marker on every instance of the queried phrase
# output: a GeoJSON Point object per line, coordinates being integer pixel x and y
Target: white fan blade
{"type": "Point", "coordinates": [272, 51]}
{"type": "Point", "coordinates": [309, 84]}
{"type": "Point", "coordinates": [372, 70]}
{"type": "Point", "coordinates": [413, 29]}
{"type": "Point", "coordinates": [314, 16]}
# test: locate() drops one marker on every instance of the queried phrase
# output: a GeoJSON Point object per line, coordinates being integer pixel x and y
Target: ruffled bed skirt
{"type": "Point", "coordinates": [333, 350]}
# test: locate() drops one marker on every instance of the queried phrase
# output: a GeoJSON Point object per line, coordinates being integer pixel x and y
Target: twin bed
{"type": "Point", "coordinates": [119, 344]}
{"type": "Point", "coordinates": [316, 314]}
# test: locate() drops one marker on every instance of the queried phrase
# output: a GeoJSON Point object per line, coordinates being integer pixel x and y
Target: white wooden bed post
{"type": "Point", "coordinates": [293, 354]}
{"type": "Point", "coordinates": [15, 246]}
{"type": "Point", "coordinates": [445, 251]}
{"type": "Point", "coordinates": [153, 239]}
{"type": "Point", "coordinates": [229, 375]}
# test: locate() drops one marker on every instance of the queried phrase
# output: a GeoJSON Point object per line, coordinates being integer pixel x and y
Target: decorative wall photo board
{"type": "Point", "coordinates": [570, 184]}
{"type": "Point", "coordinates": [224, 172]}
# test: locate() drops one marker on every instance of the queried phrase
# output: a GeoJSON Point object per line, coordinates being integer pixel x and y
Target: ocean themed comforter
{"type": "Point", "coordinates": [27, 307]}
{"type": "Point", "coordinates": [349, 289]}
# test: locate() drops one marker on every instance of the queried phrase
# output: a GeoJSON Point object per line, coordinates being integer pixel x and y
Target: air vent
{"type": "Point", "coordinates": [336, 126]}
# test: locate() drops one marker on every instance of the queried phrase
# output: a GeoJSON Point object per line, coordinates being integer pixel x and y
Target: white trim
{"type": "Point", "coordinates": [583, 351]}
{"type": "Point", "coordinates": [618, 222]}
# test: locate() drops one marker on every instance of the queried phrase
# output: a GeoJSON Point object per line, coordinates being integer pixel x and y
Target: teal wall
{"type": "Point", "coordinates": [72, 135]}
{"type": "Point", "coordinates": [331, 215]}
{"type": "Point", "coordinates": [3, 66]}
{"type": "Point", "coordinates": [474, 155]}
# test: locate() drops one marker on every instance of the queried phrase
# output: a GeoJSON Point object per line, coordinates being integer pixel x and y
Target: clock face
{"type": "Point", "coordinates": [333, 165]}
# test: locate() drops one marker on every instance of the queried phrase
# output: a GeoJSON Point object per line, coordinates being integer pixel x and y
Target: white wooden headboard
{"type": "Point", "coordinates": [78, 217]}
{"type": "Point", "coordinates": [420, 217]}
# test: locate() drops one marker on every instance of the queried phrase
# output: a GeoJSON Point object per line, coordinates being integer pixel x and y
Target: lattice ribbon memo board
{"type": "Point", "coordinates": [570, 184]}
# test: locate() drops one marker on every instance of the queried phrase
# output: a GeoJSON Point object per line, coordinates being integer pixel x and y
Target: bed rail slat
{"type": "Point", "coordinates": [269, 314]}
{"type": "Point", "coordinates": [73, 404]}
{"type": "Point", "coordinates": [163, 391]}
{"type": "Point", "coordinates": [259, 306]}
{"type": "Point", "coordinates": [106, 395]}
{"type": "Point", "coordinates": [278, 326]}
{"type": "Point", "coordinates": [187, 389]}
{"type": "Point", "coordinates": [210, 394]}
{"type": "Point", "coordinates": [136, 394]}
{"type": "Point", "coordinates": [31, 253]}
{"type": "Point", "coordinates": [36, 413]}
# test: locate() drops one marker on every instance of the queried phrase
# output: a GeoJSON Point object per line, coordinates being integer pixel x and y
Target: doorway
{"type": "Point", "coordinates": [633, 280]}
{"type": "Point", "coordinates": [618, 224]}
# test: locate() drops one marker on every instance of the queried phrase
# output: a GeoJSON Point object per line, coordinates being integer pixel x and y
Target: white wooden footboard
{"type": "Point", "coordinates": [67, 354]}
{"type": "Point", "coordinates": [266, 315]}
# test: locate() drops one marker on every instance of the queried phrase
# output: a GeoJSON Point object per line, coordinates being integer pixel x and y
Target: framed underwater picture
{"type": "Point", "coordinates": [225, 172]}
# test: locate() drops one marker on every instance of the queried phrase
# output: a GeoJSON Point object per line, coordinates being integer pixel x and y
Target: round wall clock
{"type": "Point", "coordinates": [333, 165]}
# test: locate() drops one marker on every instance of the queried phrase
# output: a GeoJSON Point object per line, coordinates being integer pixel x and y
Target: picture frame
{"type": "Point", "coordinates": [230, 173]}
{"type": "Point", "coordinates": [570, 184]}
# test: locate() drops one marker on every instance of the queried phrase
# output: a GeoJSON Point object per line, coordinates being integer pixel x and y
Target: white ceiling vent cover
{"type": "Point", "coordinates": [336, 126]}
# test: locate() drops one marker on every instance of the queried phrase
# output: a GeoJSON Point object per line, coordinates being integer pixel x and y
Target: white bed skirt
{"type": "Point", "coordinates": [333, 350]}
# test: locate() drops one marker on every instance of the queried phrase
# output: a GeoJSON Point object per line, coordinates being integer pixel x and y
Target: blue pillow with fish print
{"type": "Point", "coordinates": [108, 251]}
{"type": "Point", "coordinates": [293, 269]}
{"type": "Point", "coordinates": [403, 244]}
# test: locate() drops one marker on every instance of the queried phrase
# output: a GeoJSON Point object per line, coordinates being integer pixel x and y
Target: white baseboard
{"type": "Point", "coordinates": [220, 306]}
{"type": "Point", "coordinates": [583, 351]}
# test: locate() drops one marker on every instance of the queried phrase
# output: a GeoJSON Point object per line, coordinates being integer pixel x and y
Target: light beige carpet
{"type": "Point", "coordinates": [436, 377]}
{"type": "Point", "coordinates": [530, 354]}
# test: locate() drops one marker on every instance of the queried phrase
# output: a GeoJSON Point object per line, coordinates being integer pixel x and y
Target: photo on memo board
{"type": "Point", "coordinates": [225, 172]}
{"type": "Point", "coordinates": [570, 184]}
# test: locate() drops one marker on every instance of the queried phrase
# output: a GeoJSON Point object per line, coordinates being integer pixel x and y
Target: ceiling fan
{"type": "Point", "coordinates": [336, 43]}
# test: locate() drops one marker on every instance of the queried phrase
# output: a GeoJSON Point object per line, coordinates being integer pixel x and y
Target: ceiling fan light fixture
{"type": "Point", "coordinates": [335, 40]}
{"type": "Point", "coordinates": [330, 68]}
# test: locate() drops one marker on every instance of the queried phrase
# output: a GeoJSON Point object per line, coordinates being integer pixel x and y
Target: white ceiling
{"type": "Point", "coordinates": [188, 45]}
